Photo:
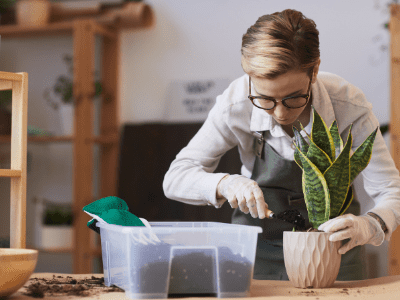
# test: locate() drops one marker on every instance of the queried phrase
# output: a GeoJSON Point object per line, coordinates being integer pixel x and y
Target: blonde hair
{"type": "Point", "coordinates": [278, 43]}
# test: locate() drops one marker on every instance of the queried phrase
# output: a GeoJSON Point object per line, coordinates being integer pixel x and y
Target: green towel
{"type": "Point", "coordinates": [112, 210]}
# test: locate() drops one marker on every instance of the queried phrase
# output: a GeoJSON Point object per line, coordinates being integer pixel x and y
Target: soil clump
{"type": "Point", "coordinates": [41, 287]}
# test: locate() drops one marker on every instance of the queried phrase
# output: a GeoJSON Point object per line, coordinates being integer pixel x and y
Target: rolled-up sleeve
{"type": "Point", "coordinates": [190, 178]}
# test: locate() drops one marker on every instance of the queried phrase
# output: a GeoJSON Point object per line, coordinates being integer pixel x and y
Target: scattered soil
{"type": "Point", "coordinates": [41, 287]}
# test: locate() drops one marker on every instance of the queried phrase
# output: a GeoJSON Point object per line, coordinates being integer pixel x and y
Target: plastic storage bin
{"type": "Point", "coordinates": [191, 258]}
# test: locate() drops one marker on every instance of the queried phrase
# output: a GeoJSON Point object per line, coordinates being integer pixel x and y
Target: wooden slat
{"type": "Point", "coordinates": [105, 32]}
{"type": "Point", "coordinates": [10, 173]}
{"type": "Point", "coordinates": [10, 76]}
{"type": "Point", "coordinates": [64, 27]}
{"type": "Point", "coordinates": [84, 43]}
{"type": "Point", "coordinates": [394, 244]}
{"type": "Point", "coordinates": [19, 135]}
{"type": "Point", "coordinates": [5, 85]}
{"type": "Point", "coordinates": [110, 117]}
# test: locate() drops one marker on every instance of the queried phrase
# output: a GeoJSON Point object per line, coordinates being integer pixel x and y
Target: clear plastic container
{"type": "Point", "coordinates": [191, 258]}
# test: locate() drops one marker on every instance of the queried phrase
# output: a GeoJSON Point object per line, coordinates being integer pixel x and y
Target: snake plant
{"type": "Point", "coordinates": [327, 168]}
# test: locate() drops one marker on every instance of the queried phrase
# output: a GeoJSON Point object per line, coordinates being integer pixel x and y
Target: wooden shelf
{"type": "Point", "coordinates": [94, 252]}
{"type": "Point", "coordinates": [58, 28]}
{"type": "Point", "coordinates": [57, 139]}
{"type": "Point", "coordinates": [83, 29]}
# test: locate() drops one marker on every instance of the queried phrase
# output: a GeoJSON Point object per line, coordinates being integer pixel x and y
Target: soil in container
{"type": "Point", "coordinates": [192, 273]}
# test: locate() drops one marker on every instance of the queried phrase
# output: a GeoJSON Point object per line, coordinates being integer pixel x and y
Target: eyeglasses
{"type": "Point", "coordinates": [290, 102]}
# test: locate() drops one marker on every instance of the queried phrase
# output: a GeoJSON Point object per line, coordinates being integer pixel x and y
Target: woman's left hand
{"type": "Point", "coordinates": [360, 230]}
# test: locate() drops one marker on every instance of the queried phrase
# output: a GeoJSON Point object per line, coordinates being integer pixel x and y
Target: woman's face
{"type": "Point", "coordinates": [279, 88]}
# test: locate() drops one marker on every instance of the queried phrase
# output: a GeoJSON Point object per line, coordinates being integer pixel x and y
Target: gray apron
{"type": "Point", "coordinates": [280, 181]}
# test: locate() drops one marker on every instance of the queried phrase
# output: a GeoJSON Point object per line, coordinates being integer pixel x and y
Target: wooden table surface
{"type": "Point", "coordinates": [384, 288]}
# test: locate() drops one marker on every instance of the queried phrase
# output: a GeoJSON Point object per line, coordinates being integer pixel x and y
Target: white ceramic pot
{"type": "Point", "coordinates": [67, 119]}
{"type": "Point", "coordinates": [56, 237]}
{"type": "Point", "coordinates": [33, 12]}
{"type": "Point", "coordinates": [311, 260]}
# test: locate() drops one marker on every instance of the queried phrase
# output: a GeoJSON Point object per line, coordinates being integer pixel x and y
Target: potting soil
{"type": "Point", "coordinates": [193, 271]}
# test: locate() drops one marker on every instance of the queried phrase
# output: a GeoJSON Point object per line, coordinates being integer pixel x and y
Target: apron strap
{"type": "Point", "coordinates": [258, 143]}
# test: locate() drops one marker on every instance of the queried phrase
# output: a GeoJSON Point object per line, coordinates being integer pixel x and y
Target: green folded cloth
{"type": "Point", "coordinates": [111, 210]}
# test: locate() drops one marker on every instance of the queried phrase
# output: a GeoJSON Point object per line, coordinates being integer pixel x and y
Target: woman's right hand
{"type": "Point", "coordinates": [244, 193]}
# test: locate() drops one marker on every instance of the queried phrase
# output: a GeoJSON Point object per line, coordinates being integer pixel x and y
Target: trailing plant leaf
{"type": "Point", "coordinates": [337, 177]}
{"type": "Point", "coordinates": [337, 140]}
{"type": "Point", "coordinates": [362, 156]}
{"type": "Point", "coordinates": [321, 136]}
{"type": "Point", "coordinates": [316, 193]}
{"type": "Point", "coordinates": [318, 157]}
{"type": "Point", "coordinates": [347, 202]}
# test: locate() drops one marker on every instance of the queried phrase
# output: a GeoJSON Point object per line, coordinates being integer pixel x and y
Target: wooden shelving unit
{"type": "Point", "coordinates": [394, 27]}
{"type": "Point", "coordinates": [84, 29]}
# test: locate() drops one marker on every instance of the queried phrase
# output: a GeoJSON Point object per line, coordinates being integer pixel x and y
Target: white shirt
{"type": "Point", "coordinates": [232, 120]}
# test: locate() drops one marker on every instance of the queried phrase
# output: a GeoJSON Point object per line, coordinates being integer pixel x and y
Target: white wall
{"type": "Point", "coordinates": [197, 40]}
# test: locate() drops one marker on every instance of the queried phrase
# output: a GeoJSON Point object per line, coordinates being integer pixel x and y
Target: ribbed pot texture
{"type": "Point", "coordinates": [311, 260]}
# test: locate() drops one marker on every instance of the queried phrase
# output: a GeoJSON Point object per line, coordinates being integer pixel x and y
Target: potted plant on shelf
{"type": "Point", "coordinates": [63, 89]}
{"type": "Point", "coordinates": [311, 260]}
{"type": "Point", "coordinates": [57, 227]}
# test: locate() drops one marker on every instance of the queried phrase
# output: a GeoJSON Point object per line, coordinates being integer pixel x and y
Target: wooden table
{"type": "Point", "coordinates": [384, 288]}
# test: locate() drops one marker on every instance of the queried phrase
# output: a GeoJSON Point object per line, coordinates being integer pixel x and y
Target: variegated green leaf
{"type": "Point", "coordinates": [316, 192]}
{"type": "Point", "coordinates": [318, 157]}
{"type": "Point", "coordinates": [300, 141]}
{"type": "Point", "coordinates": [362, 156]}
{"type": "Point", "coordinates": [321, 136]}
{"type": "Point", "coordinates": [337, 140]}
{"type": "Point", "coordinates": [297, 156]}
{"type": "Point", "coordinates": [347, 202]}
{"type": "Point", "coordinates": [337, 177]}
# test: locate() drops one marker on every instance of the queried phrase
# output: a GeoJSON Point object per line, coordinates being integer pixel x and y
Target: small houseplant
{"type": "Point", "coordinates": [328, 172]}
{"type": "Point", "coordinates": [57, 227]}
{"type": "Point", "coordinates": [63, 89]}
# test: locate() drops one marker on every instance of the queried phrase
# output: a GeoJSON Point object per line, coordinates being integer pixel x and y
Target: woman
{"type": "Point", "coordinates": [280, 56]}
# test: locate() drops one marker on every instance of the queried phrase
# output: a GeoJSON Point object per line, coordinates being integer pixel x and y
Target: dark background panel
{"type": "Point", "coordinates": [146, 153]}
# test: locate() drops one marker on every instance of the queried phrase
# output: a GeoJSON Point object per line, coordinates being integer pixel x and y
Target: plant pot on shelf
{"type": "Point", "coordinates": [33, 12]}
{"type": "Point", "coordinates": [57, 228]}
{"type": "Point", "coordinates": [57, 236]}
{"type": "Point", "coordinates": [311, 260]}
{"type": "Point", "coordinates": [67, 118]}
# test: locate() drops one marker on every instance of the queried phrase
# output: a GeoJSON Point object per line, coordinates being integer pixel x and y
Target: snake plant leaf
{"type": "Point", "coordinates": [346, 203]}
{"type": "Point", "coordinates": [318, 157]}
{"type": "Point", "coordinates": [302, 128]}
{"type": "Point", "coordinates": [301, 143]}
{"type": "Point", "coordinates": [337, 140]}
{"type": "Point", "coordinates": [321, 136]}
{"type": "Point", "coordinates": [362, 156]}
{"type": "Point", "coordinates": [337, 177]}
{"type": "Point", "coordinates": [297, 156]}
{"type": "Point", "coordinates": [316, 192]}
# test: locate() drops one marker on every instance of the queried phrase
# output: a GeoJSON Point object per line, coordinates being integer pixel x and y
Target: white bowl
{"type": "Point", "coordinates": [16, 266]}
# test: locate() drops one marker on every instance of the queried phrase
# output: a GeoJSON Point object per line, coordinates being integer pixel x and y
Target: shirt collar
{"type": "Point", "coordinates": [262, 121]}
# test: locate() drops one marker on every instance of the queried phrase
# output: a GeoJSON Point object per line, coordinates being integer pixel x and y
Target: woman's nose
{"type": "Point", "coordinates": [281, 111]}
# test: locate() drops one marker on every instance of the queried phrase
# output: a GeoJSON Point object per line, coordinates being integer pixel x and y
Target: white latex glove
{"type": "Point", "coordinates": [243, 192]}
{"type": "Point", "coordinates": [361, 230]}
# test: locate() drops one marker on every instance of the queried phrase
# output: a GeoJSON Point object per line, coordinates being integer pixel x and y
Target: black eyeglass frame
{"type": "Point", "coordinates": [307, 96]}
